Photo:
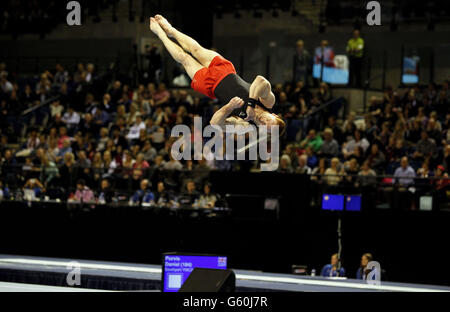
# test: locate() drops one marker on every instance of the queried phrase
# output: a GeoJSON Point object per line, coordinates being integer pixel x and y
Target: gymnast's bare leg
{"type": "Point", "coordinates": [189, 63]}
{"type": "Point", "coordinates": [204, 56]}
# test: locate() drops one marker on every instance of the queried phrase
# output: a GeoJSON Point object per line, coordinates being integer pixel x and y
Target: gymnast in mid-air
{"type": "Point", "coordinates": [216, 77]}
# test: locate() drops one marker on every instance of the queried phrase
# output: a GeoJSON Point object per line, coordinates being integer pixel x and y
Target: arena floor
{"type": "Point", "coordinates": [151, 275]}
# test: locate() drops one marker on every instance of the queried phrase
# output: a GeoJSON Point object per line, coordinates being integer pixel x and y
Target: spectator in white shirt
{"type": "Point", "coordinates": [135, 129]}
{"type": "Point", "coordinates": [56, 109]}
{"type": "Point", "coordinates": [71, 118]}
{"type": "Point", "coordinates": [358, 141]}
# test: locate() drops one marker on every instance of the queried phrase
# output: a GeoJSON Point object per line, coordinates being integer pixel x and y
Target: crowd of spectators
{"type": "Point", "coordinates": [114, 137]}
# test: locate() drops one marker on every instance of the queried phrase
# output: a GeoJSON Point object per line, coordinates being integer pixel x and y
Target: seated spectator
{"type": "Point", "coordinates": [135, 129]}
{"type": "Point", "coordinates": [66, 148]}
{"type": "Point", "coordinates": [312, 159]}
{"type": "Point", "coordinates": [426, 147]}
{"type": "Point", "coordinates": [313, 140]}
{"type": "Point", "coordinates": [189, 195]}
{"type": "Point", "coordinates": [302, 165]}
{"type": "Point", "coordinates": [104, 137]}
{"type": "Point", "coordinates": [285, 165]}
{"type": "Point", "coordinates": [333, 174]}
{"type": "Point", "coordinates": [143, 195]}
{"type": "Point", "coordinates": [442, 179]}
{"type": "Point", "coordinates": [349, 126]}
{"type": "Point", "coordinates": [162, 96]}
{"type": "Point", "coordinates": [424, 171]}
{"type": "Point", "coordinates": [349, 148]}
{"type": "Point", "coordinates": [162, 196]}
{"type": "Point", "coordinates": [106, 193]}
{"type": "Point", "coordinates": [4, 192]}
{"type": "Point", "coordinates": [362, 272]}
{"type": "Point", "coordinates": [49, 171]}
{"type": "Point", "coordinates": [71, 118]}
{"type": "Point", "coordinates": [330, 147]}
{"type": "Point", "coordinates": [333, 269]}
{"type": "Point", "coordinates": [366, 176]}
{"type": "Point", "coordinates": [172, 164]}
{"type": "Point", "coordinates": [404, 174]}
{"type": "Point", "coordinates": [34, 185]}
{"type": "Point", "coordinates": [149, 151]}
{"type": "Point", "coordinates": [207, 200]}
{"type": "Point", "coordinates": [319, 171]}
{"type": "Point", "coordinates": [351, 169]}
{"type": "Point", "coordinates": [33, 140]}
{"type": "Point", "coordinates": [83, 193]}
{"type": "Point", "coordinates": [376, 158]}
{"type": "Point", "coordinates": [62, 136]}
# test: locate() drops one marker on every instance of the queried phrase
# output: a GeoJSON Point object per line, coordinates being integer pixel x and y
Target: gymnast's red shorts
{"type": "Point", "coordinates": [206, 79]}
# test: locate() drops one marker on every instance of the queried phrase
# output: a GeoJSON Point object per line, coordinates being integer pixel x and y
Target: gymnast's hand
{"type": "Point", "coordinates": [236, 102]}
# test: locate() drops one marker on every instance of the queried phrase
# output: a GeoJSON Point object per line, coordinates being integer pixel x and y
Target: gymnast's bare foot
{"type": "Point", "coordinates": [155, 27]}
{"type": "Point", "coordinates": [165, 25]}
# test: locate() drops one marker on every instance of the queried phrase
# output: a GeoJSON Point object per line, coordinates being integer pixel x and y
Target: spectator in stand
{"type": "Point", "coordinates": [349, 148]}
{"type": "Point", "coordinates": [60, 77]}
{"type": "Point", "coordinates": [49, 171]}
{"type": "Point", "coordinates": [190, 195]}
{"type": "Point", "coordinates": [285, 165]}
{"type": "Point", "coordinates": [135, 130]}
{"type": "Point", "coordinates": [162, 196]}
{"type": "Point", "coordinates": [106, 193]}
{"type": "Point", "coordinates": [66, 148]}
{"type": "Point", "coordinates": [366, 176]}
{"type": "Point", "coordinates": [376, 159]}
{"type": "Point", "coordinates": [173, 164]}
{"type": "Point", "coordinates": [404, 174]}
{"type": "Point", "coordinates": [36, 186]}
{"type": "Point", "coordinates": [83, 193]}
{"type": "Point", "coordinates": [56, 109]}
{"type": "Point", "coordinates": [330, 147]}
{"type": "Point", "coordinates": [426, 147]}
{"type": "Point", "coordinates": [312, 158]}
{"type": "Point", "coordinates": [143, 195]}
{"type": "Point", "coordinates": [333, 175]}
{"type": "Point", "coordinates": [162, 96]}
{"type": "Point", "coordinates": [362, 272]}
{"type": "Point", "coordinates": [333, 269]}
{"type": "Point", "coordinates": [4, 192]}
{"type": "Point", "coordinates": [302, 165]}
{"type": "Point", "coordinates": [302, 63]}
{"type": "Point", "coordinates": [207, 200]}
{"type": "Point", "coordinates": [71, 119]}
{"type": "Point", "coordinates": [313, 140]}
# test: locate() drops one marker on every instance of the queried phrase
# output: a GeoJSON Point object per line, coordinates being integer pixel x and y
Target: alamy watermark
{"type": "Point", "coordinates": [374, 16]}
{"type": "Point", "coordinates": [73, 278]}
{"type": "Point", "coordinates": [74, 16]}
{"type": "Point", "coordinates": [374, 276]}
{"type": "Point", "coordinates": [250, 141]}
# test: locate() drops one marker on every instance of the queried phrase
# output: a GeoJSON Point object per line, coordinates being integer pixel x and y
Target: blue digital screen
{"type": "Point", "coordinates": [177, 268]}
{"type": "Point", "coordinates": [410, 70]}
{"type": "Point", "coordinates": [331, 75]}
{"type": "Point", "coordinates": [333, 202]}
{"type": "Point", "coordinates": [353, 203]}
